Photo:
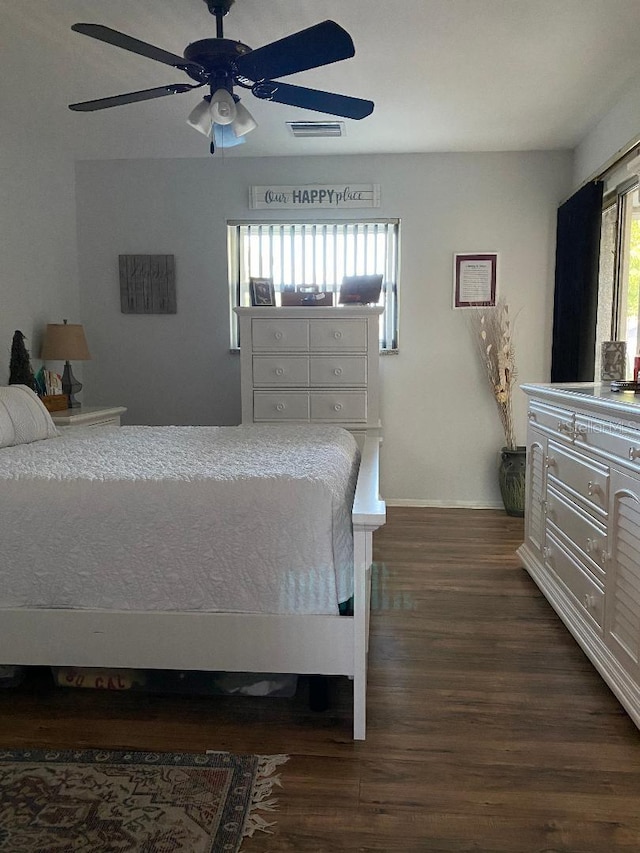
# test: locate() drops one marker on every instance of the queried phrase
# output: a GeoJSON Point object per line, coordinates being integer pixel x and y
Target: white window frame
{"type": "Point", "coordinates": [374, 249]}
{"type": "Point", "coordinates": [612, 324]}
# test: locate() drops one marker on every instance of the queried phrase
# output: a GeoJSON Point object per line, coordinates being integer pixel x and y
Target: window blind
{"type": "Point", "coordinates": [318, 254]}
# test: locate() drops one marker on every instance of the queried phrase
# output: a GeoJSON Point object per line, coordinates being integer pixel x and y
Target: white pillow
{"type": "Point", "coordinates": [7, 432]}
{"type": "Point", "coordinates": [23, 417]}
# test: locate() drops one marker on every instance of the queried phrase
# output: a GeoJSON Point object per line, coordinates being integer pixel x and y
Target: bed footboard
{"type": "Point", "coordinates": [233, 642]}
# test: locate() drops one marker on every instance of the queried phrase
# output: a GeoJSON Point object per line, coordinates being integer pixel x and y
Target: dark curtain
{"type": "Point", "coordinates": [575, 308]}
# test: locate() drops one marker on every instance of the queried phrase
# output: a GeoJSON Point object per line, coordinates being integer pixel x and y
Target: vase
{"type": "Point", "coordinates": [512, 472]}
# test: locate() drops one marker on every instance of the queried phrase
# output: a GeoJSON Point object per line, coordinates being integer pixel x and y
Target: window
{"type": "Point", "coordinates": [619, 272]}
{"type": "Point", "coordinates": [320, 254]}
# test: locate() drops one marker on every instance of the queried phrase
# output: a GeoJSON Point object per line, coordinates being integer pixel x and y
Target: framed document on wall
{"type": "Point", "coordinates": [475, 279]}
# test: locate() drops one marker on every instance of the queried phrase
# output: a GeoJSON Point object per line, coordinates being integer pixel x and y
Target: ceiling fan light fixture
{"type": "Point", "coordinates": [225, 137]}
{"type": "Point", "coordinates": [244, 122]}
{"type": "Point", "coordinates": [223, 107]}
{"type": "Point", "coordinates": [200, 117]}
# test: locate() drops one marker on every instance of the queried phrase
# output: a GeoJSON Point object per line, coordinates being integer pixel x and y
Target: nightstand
{"type": "Point", "coordinates": [89, 416]}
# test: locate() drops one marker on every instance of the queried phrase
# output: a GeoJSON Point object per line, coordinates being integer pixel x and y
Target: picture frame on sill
{"type": "Point", "coordinates": [613, 361]}
{"type": "Point", "coordinates": [475, 279]}
{"type": "Point", "coordinates": [262, 292]}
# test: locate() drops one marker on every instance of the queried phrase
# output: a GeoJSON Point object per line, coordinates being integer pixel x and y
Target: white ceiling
{"type": "Point", "coordinates": [445, 75]}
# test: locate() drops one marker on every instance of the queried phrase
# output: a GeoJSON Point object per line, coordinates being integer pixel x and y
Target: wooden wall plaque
{"type": "Point", "coordinates": [147, 284]}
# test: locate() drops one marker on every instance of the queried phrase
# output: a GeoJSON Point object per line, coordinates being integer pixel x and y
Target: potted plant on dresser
{"type": "Point", "coordinates": [491, 329]}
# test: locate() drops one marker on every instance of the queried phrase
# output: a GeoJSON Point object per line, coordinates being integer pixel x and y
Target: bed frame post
{"type": "Point", "coordinates": [369, 513]}
{"type": "Point", "coordinates": [362, 556]}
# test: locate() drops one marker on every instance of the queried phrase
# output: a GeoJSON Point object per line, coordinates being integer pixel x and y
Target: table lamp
{"type": "Point", "coordinates": [65, 342]}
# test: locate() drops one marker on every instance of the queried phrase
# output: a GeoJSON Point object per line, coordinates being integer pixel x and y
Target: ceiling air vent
{"type": "Point", "coordinates": [316, 128]}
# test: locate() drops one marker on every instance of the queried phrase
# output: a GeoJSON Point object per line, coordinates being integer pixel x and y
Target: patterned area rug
{"type": "Point", "coordinates": [92, 801]}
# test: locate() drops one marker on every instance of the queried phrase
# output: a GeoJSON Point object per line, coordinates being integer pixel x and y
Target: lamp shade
{"type": "Point", "coordinates": [244, 122]}
{"type": "Point", "coordinates": [64, 342]}
{"type": "Point", "coordinates": [200, 117]}
{"type": "Point", "coordinates": [223, 107]}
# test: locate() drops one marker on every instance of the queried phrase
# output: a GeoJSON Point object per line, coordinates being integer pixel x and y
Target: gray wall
{"type": "Point", "coordinates": [39, 282]}
{"type": "Point", "coordinates": [442, 432]}
{"type": "Point", "coordinates": [39, 279]}
{"type": "Point", "coordinates": [615, 132]}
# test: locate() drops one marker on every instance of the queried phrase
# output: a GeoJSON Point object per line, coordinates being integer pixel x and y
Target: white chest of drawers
{"type": "Point", "coordinates": [582, 522]}
{"type": "Point", "coordinates": [310, 365]}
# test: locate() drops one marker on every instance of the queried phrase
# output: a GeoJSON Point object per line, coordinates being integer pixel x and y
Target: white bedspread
{"type": "Point", "coordinates": [242, 519]}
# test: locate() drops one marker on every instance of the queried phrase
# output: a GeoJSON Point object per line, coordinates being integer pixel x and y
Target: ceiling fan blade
{"type": "Point", "coordinates": [318, 45]}
{"type": "Point", "coordinates": [313, 99]}
{"type": "Point", "coordinates": [106, 34]}
{"type": "Point", "coordinates": [132, 97]}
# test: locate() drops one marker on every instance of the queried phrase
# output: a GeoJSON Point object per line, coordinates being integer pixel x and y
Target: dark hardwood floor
{"type": "Point", "coordinates": [488, 728]}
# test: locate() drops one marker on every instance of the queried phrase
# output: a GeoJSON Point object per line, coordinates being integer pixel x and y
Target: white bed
{"type": "Point", "coordinates": [177, 548]}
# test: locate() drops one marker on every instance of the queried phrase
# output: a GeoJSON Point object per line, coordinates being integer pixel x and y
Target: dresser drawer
{"type": "Point", "coordinates": [584, 533]}
{"type": "Point", "coordinates": [610, 438]}
{"type": "Point", "coordinates": [277, 335]}
{"type": "Point", "coordinates": [280, 406]}
{"type": "Point", "coordinates": [560, 422]}
{"type": "Point", "coordinates": [587, 479]}
{"type": "Point", "coordinates": [344, 335]}
{"type": "Point", "coordinates": [338, 370]}
{"type": "Point", "coordinates": [585, 592]}
{"type": "Point", "coordinates": [280, 370]}
{"type": "Point", "coordinates": [339, 406]}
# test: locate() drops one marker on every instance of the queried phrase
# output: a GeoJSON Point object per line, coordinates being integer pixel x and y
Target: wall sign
{"type": "Point", "coordinates": [147, 284]}
{"type": "Point", "coordinates": [310, 196]}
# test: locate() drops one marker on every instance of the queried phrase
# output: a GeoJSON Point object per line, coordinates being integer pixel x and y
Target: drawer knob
{"type": "Point", "coordinates": [589, 601]}
{"type": "Point", "coordinates": [337, 407]}
{"type": "Point", "coordinates": [337, 335]}
{"type": "Point", "coordinates": [593, 488]}
{"type": "Point", "coordinates": [277, 336]}
{"type": "Point", "coordinates": [634, 453]}
{"type": "Point", "coordinates": [580, 432]}
{"type": "Point", "coordinates": [337, 371]}
{"type": "Point", "coordinates": [532, 416]}
{"type": "Point", "coordinates": [565, 428]}
{"type": "Point", "coordinates": [280, 407]}
{"type": "Point", "coordinates": [549, 462]}
{"type": "Point", "coordinates": [279, 371]}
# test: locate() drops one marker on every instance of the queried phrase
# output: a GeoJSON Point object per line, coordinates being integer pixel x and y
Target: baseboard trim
{"type": "Point", "coordinates": [443, 504]}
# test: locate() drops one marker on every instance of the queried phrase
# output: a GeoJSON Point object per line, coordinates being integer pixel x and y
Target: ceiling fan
{"type": "Point", "coordinates": [222, 64]}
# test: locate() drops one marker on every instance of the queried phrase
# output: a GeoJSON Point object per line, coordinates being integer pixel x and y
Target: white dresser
{"type": "Point", "coordinates": [582, 522]}
{"type": "Point", "coordinates": [311, 365]}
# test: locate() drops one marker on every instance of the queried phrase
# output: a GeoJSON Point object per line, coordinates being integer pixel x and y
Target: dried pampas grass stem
{"type": "Point", "coordinates": [491, 330]}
